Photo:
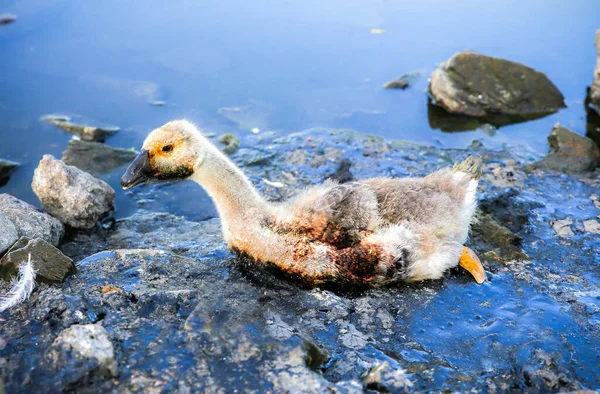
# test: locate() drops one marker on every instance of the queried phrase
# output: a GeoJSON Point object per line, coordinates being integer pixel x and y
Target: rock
{"type": "Point", "coordinates": [96, 158]}
{"type": "Point", "coordinates": [402, 82]}
{"type": "Point", "coordinates": [478, 85]}
{"type": "Point", "coordinates": [82, 353]}
{"type": "Point", "coordinates": [8, 234]}
{"type": "Point", "coordinates": [570, 152]}
{"type": "Point", "coordinates": [51, 264]}
{"type": "Point", "coordinates": [563, 227]}
{"type": "Point", "coordinates": [6, 167]}
{"type": "Point", "coordinates": [74, 197]}
{"type": "Point", "coordinates": [232, 143]}
{"type": "Point", "coordinates": [503, 175]}
{"type": "Point", "coordinates": [493, 232]}
{"type": "Point", "coordinates": [506, 254]}
{"type": "Point", "coordinates": [591, 226]}
{"type": "Point", "coordinates": [595, 89]}
{"type": "Point", "coordinates": [343, 174]}
{"type": "Point", "coordinates": [87, 133]}
{"type": "Point", "coordinates": [385, 379]}
{"type": "Point", "coordinates": [6, 19]}
{"type": "Point", "coordinates": [29, 222]}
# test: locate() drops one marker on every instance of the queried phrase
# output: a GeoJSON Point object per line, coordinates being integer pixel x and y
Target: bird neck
{"type": "Point", "coordinates": [234, 196]}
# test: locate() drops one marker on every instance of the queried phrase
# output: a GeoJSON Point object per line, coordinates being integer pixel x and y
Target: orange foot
{"type": "Point", "coordinates": [469, 261]}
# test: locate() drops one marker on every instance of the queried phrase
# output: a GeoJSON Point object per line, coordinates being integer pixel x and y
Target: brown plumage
{"type": "Point", "coordinates": [374, 231]}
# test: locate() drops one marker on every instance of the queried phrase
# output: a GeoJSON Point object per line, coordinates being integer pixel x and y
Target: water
{"type": "Point", "coordinates": [287, 65]}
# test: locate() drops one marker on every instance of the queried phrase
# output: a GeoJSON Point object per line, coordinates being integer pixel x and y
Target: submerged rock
{"type": "Point", "coordinates": [96, 158]}
{"type": "Point", "coordinates": [478, 85]}
{"type": "Point", "coordinates": [87, 133]}
{"type": "Point", "coordinates": [6, 167]}
{"type": "Point", "coordinates": [6, 19]}
{"type": "Point", "coordinates": [29, 222]}
{"type": "Point", "coordinates": [570, 152]}
{"type": "Point", "coordinates": [402, 82]}
{"type": "Point", "coordinates": [595, 89]}
{"type": "Point", "coordinates": [51, 264]}
{"type": "Point", "coordinates": [71, 195]}
{"type": "Point", "coordinates": [232, 143]}
{"type": "Point", "coordinates": [8, 234]}
{"type": "Point", "coordinates": [82, 353]}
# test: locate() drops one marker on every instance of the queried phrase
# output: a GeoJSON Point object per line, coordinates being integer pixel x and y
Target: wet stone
{"type": "Point", "coordinates": [386, 379]}
{"type": "Point", "coordinates": [569, 152]}
{"type": "Point", "coordinates": [51, 264]}
{"type": "Point", "coordinates": [71, 195]}
{"type": "Point", "coordinates": [563, 227]}
{"type": "Point", "coordinates": [8, 234]}
{"type": "Point", "coordinates": [232, 143]}
{"type": "Point", "coordinates": [87, 133]}
{"type": "Point", "coordinates": [506, 254]}
{"type": "Point", "coordinates": [403, 82]}
{"type": "Point", "coordinates": [82, 353]}
{"type": "Point", "coordinates": [592, 226]}
{"type": "Point", "coordinates": [29, 222]}
{"type": "Point", "coordinates": [477, 85]}
{"type": "Point", "coordinates": [96, 158]}
{"type": "Point", "coordinates": [493, 232]}
{"type": "Point", "coordinates": [343, 174]}
{"type": "Point", "coordinates": [6, 167]}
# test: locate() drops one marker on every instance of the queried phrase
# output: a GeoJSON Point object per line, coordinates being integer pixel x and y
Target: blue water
{"type": "Point", "coordinates": [287, 65]}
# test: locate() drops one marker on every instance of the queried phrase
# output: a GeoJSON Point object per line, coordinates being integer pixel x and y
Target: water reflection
{"type": "Point", "coordinates": [443, 120]}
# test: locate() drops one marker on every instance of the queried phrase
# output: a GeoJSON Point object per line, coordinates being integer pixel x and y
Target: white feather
{"type": "Point", "coordinates": [22, 287]}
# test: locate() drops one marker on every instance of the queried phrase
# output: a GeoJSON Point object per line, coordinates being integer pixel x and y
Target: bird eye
{"type": "Point", "coordinates": [167, 148]}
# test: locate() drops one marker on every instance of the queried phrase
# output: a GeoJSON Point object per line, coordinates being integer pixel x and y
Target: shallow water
{"type": "Point", "coordinates": [286, 66]}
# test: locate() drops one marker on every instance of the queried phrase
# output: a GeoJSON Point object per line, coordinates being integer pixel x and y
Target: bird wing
{"type": "Point", "coordinates": [331, 213]}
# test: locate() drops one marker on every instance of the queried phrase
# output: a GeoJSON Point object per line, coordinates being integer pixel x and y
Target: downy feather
{"type": "Point", "coordinates": [22, 287]}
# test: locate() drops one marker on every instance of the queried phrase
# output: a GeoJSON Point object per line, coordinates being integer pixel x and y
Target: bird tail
{"type": "Point", "coordinates": [470, 166]}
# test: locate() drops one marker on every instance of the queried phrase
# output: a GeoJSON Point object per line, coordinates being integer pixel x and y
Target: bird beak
{"type": "Point", "coordinates": [469, 261]}
{"type": "Point", "coordinates": [139, 171]}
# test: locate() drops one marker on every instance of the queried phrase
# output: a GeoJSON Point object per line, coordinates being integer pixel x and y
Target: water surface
{"type": "Point", "coordinates": [286, 65]}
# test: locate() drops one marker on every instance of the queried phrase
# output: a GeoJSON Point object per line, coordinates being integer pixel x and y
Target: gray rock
{"type": "Point", "coordinates": [96, 158]}
{"type": "Point", "coordinates": [8, 234]}
{"type": "Point", "coordinates": [71, 195]}
{"type": "Point", "coordinates": [595, 89]}
{"type": "Point", "coordinates": [478, 85]}
{"type": "Point", "coordinates": [29, 222]}
{"type": "Point", "coordinates": [87, 133]}
{"type": "Point", "coordinates": [570, 152]}
{"type": "Point", "coordinates": [83, 353]}
{"type": "Point", "coordinates": [51, 264]}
